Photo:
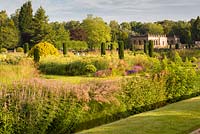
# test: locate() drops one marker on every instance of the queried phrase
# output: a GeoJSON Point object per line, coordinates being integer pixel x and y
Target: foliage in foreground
{"type": "Point", "coordinates": [178, 118]}
{"type": "Point", "coordinates": [41, 106]}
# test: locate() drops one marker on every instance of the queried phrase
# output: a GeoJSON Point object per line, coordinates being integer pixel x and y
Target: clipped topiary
{"type": "Point", "coordinates": [36, 53]}
{"type": "Point", "coordinates": [121, 50]}
{"type": "Point", "coordinates": [132, 48]}
{"type": "Point", "coordinates": [26, 48]}
{"type": "Point", "coordinates": [3, 50]}
{"type": "Point", "coordinates": [19, 49]}
{"type": "Point", "coordinates": [151, 48]}
{"type": "Point", "coordinates": [90, 68]}
{"type": "Point", "coordinates": [111, 46]}
{"type": "Point", "coordinates": [145, 48]}
{"type": "Point", "coordinates": [103, 49]}
{"type": "Point", "coordinates": [45, 49]}
{"type": "Point", "coordinates": [64, 48]}
{"type": "Point", "coordinates": [177, 46]}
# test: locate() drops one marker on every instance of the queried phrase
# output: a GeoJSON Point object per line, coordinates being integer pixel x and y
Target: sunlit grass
{"type": "Point", "coordinates": [179, 118]}
{"type": "Point", "coordinates": [9, 73]}
{"type": "Point", "coordinates": [77, 79]}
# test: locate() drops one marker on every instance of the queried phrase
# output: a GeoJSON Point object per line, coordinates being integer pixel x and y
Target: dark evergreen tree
{"type": "Point", "coordinates": [25, 22]}
{"type": "Point", "coordinates": [15, 18]}
{"type": "Point", "coordinates": [177, 46]}
{"type": "Point", "coordinates": [40, 27]}
{"type": "Point", "coordinates": [103, 49]}
{"type": "Point", "coordinates": [121, 50]}
{"type": "Point", "coordinates": [132, 47]}
{"type": "Point", "coordinates": [151, 47]}
{"type": "Point", "coordinates": [36, 55]}
{"type": "Point", "coordinates": [26, 48]}
{"type": "Point", "coordinates": [170, 46]}
{"type": "Point", "coordinates": [196, 29]}
{"type": "Point", "coordinates": [145, 48]}
{"type": "Point", "coordinates": [111, 46]}
{"type": "Point", "coordinates": [64, 48]}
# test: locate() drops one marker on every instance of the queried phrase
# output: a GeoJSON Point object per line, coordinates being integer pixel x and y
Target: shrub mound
{"type": "Point", "coordinates": [45, 49]}
{"type": "Point", "coordinates": [19, 49]}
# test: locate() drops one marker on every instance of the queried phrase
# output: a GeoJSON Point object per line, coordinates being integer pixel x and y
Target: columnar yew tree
{"type": "Point", "coordinates": [36, 55]}
{"type": "Point", "coordinates": [177, 46]}
{"type": "Point", "coordinates": [64, 48]}
{"type": "Point", "coordinates": [132, 47]}
{"type": "Point", "coordinates": [26, 48]}
{"type": "Point", "coordinates": [151, 45]}
{"type": "Point", "coordinates": [25, 22]}
{"type": "Point", "coordinates": [145, 47]}
{"type": "Point", "coordinates": [111, 46]}
{"type": "Point", "coordinates": [103, 49]}
{"type": "Point", "coordinates": [121, 50]}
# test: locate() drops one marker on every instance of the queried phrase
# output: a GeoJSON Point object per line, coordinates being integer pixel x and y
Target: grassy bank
{"type": "Point", "coordinates": [23, 70]}
{"type": "Point", "coordinates": [179, 118]}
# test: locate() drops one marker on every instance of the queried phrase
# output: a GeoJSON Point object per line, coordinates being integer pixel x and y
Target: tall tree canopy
{"type": "Point", "coordinates": [9, 34]}
{"type": "Point", "coordinates": [167, 27]}
{"type": "Point", "coordinates": [58, 35]}
{"type": "Point", "coordinates": [15, 18]}
{"type": "Point", "coordinates": [97, 31]}
{"type": "Point", "coordinates": [114, 30]}
{"type": "Point", "coordinates": [137, 27]}
{"type": "Point", "coordinates": [183, 31]}
{"type": "Point", "coordinates": [72, 25]}
{"type": "Point", "coordinates": [25, 22]}
{"type": "Point", "coordinates": [153, 28]}
{"type": "Point", "coordinates": [40, 27]}
{"type": "Point", "coordinates": [196, 29]}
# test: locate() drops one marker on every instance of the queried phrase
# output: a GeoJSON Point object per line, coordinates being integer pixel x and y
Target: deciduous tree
{"type": "Point", "coordinates": [97, 31]}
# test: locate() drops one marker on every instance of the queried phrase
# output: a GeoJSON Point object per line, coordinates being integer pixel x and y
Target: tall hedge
{"type": "Point", "coordinates": [103, 49]}
{"type": "Point", "coordinates": [151, 45]}
{"type": "Point", "coordinates": [64, 48]}
{"type": "Point", "coordinates": [121, 50]}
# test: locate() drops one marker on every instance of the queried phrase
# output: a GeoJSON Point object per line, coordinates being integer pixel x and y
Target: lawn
{"type": "Point", "coordinates": [78, 79]}
{"type": "Point", "coordinates": [178, 118]}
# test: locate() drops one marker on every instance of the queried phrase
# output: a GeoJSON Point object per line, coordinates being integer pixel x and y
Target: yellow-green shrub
{"type": "Point", "coordinates": [19, 49]}
{"type": "Point", "coordinates": [45, 49]}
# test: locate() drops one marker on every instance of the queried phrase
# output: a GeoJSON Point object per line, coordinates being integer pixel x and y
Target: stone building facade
{"type": "Point", "coordinates": [160, 41]}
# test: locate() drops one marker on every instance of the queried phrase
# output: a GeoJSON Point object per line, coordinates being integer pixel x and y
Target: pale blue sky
{"type": "Point", "coordinates": [120, 10]}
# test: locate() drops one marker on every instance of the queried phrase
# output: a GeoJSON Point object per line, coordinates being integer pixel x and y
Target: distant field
{"type": "Point", "coordinates": [178, 118]}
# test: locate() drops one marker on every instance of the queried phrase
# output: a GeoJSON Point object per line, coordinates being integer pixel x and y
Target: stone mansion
{"type": "Point", "coordinates": [160, 41]}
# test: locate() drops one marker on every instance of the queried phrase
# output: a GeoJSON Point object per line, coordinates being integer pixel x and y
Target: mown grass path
{"type": "Point", "coordinates": [178, 118]}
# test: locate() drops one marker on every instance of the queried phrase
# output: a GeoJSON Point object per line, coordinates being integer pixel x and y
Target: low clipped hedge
{"type": "Point", "coordinates": [74, 68]}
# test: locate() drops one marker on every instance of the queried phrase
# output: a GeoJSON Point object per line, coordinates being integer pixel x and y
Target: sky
{"type": "Point", "coordinates": [119, 10]}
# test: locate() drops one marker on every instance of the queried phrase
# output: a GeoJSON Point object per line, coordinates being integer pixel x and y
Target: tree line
{"type": "Point", "coordinates": [24, 27]}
